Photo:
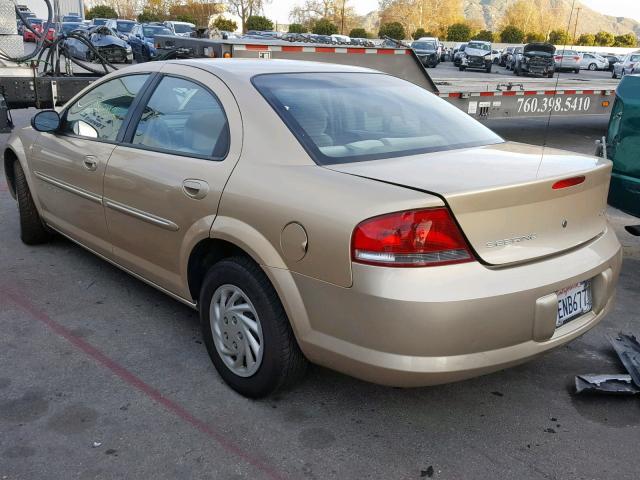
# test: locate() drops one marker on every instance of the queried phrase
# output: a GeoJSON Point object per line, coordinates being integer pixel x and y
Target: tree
{"type": "Point", "coordinates": [297, 28]}
{"type": "Point", "coordinates": [419, 33]}
{"type": "Point", "coordinates": [149, 16]}
{"type": "Point", "coordinates": [430, 15]}
{"type": "Point", "coordinates": [459, 32]}
{"type": "Point", "coordinates": [559, 37]}
{"type": "Point", "coordinates": [393, 30]}
{"type": "Point", "coordinates": [199, 10]}
{"type": "Point", "coordinates": [534, 37]}
{"type": "Point", "coordinates": [259, 23]}
{"type": "Point", "coordinates": [604, 39]}
{"type": "Point", "coordinates": [338, 12]}
{"type": "Point", "coordinates": [324, 27]}
{"type": "Point", "coordinates": [185, 17]}
{"type": "Point", "coordinates": [358, 33]}
{"type": "Point", "coordinates": [101, 11]}
{"type": "Point", "coordinates": [486, 35]}
{"type": "Point", "coordinates": [245, 9]}
{"type": "Point", "coordinates": [587, 39]}
{"type": "Point", "coordinates": [628, 40]}
{"type": "Point", "coordinates": [511, 34]}
{"type": "Point", "coordinates": [225, 24]}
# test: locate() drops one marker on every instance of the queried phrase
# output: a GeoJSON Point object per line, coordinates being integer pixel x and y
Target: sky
{"type": "Point", "coordinates": [279, 9]}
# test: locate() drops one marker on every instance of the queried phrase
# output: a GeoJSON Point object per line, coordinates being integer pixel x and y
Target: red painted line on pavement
{"type": "Point", "coordinates": [136, 382]}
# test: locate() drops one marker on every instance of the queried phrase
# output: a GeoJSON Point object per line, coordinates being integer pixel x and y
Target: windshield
{"type": "Point", "coordinates": [125, 27]}
{"type": "Point", "coordinates": [634, 58]}
{"type": "Point", "coordinates": [350, 117]}
{"type": "Point", "coordinates": [182, 28]}
{"type": "Point", "coordinates": [153, 31]}
{"type": "Point", "coordinates": [423, 45]}
{"type": "Point", "coordinates": [99, 21]}
{"type": "Point", "coordinates": [71, 18]}
{"type": "Point", "coordinates": [479, 46]}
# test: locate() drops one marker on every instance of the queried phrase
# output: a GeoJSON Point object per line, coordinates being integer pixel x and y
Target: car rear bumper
{"type": "Point", "coordinates": [424, 326]}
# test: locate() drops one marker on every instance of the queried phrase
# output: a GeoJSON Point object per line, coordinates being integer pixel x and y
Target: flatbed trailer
{"type": "Point", "coordinates": [517, 98]}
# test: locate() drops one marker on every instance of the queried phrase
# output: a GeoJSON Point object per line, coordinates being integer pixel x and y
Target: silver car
{"type": "Point", "coordinates": [568, 60]}
{"type": "Point", "coordinates": [593, 62]}
{"type": "Point", "coordinates": [626, 65]}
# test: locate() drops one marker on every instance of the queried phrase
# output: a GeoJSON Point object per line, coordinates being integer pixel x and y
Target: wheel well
{"type": "Point", "coordinates": [9, 158]}
{"type": "Point", "coordinates": [203, 256]}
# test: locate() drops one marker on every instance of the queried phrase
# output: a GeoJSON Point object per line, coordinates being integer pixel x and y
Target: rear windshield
{"type": "Point", "coordinates": [182, 28]}
{"type": "Point", "coordinates": [350, 117]}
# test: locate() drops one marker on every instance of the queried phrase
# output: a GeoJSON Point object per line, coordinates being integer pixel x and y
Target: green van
{"type": "Point", "coordinates": [623, 147]}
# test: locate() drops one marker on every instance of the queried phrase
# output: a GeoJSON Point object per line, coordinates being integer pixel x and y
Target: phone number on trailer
{"type": "Point", "coordinates": [554, 104]}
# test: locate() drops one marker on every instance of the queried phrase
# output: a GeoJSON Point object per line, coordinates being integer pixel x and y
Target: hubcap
{"type": "Point", "coordinates": [237, 333]}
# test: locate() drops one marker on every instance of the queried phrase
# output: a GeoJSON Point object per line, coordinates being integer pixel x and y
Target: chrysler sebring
{"type": "Point", "coordinates": [322, 213]}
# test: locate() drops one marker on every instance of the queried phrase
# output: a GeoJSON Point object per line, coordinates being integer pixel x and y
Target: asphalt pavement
{"type": "Point", "coordinates": [103, 377]}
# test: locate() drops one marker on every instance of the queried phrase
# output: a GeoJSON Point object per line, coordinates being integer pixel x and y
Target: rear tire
{"type": "Point", "coordinates": [576, 71]}
{"type": "Point", "coordinates": [280, 362]}
{"type": "Point", "coordinates": [488, 69]}
{"type": "Point", "coordinates": [613, 75]}
{"type": "Point", "coordinates": [592, 67]}
{"type": "Point", "coordinates": [32, 229]}
{"type": "Point", "coordinates": [461, 68]}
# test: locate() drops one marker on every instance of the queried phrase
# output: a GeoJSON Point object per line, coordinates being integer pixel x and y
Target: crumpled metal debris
{"type": "Point", "coordinates": [615, 384]}
{"type": "Point", "coordinates": [628, 349]}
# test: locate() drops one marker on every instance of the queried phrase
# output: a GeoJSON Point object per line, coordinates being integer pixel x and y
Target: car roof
{"type": "Point", "coordinates": [245, 68]}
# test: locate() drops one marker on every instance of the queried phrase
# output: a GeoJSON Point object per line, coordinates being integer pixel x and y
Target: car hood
{"type": "Point", "coordinates": [539, 49]}
{"type": "Point", "coordinates": [504, 195]}
{"type": "Point", "coordinates": [108, 41]}
{"type": "Point", "coordinates": [476, 52]}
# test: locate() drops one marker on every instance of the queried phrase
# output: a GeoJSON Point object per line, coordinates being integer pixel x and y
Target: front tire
{"type": "Point", "coordinates": [32, 229]}
{"type": "Point", "coordinates": [246, 330]}
{"type": "Point", "coordinates": [592, 67]}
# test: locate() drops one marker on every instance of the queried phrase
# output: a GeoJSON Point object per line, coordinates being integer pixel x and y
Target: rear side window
{"type": "Point", "coordinates": [183, 117]}
{"type": "Point", "coordinates": [349, 117]}
{"type": "Point", "coordinates": [99, 113]}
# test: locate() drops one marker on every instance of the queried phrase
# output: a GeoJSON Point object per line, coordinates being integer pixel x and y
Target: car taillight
{"type": "Point", "coordinates": [568, 182]}
{"type": "Point", "coordinates": [414, 238]}
{"type": "Point", "coordinates": [576, 58]}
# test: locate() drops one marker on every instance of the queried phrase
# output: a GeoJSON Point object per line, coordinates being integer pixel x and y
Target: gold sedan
{"type": "Point", "coordinates": [323, 213]}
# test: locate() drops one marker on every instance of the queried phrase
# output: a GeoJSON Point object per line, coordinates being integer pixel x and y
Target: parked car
{"type": "Point", "coordinates": [96, 22]}
{"type": "Point", "coordinates": [68, 27]}
{"type": "Point", "coordinates": [504, 56]}
{"type": "Point", "coordinates": [341, 39]}
{"type": "Point", "coordinates": [189, 175]}
{"type": "Point", "coordinates": [436, 40]}
{"type": "Point", "coordinates": [536, 59]}
{"type": "Point", "coordinates": [28, 35]}
{"type": "Point", "coordinates": [121, 27]}
{"type": "Point", "coordinates": [106, 42]}
{"type": "Point", "coordinates": [626, 65]}
{"type": "Point", "coordinates": [495, 56]}
{"type": "Point", "coordinates": [568, 60]}
{"type": "Point", "coordinates": [593, 62]}
{"type": "Point", "coordinates": [181, 29]}
{"type": "Point", "coordinates": [622, 147]}
{"type": "Point", "coordinates": [458, 53]}
{"type": "Point", "coordinates": [612, 60]}
{"type": "Point", "coordinates": [72, 18]}
{"type": "Point", "coordinates": [477, 55]}
{"type": "Point", "coordinates": [19, 24]}
{"type": "Point", "coordinates": [512, 57]}
{"type": "Point", "coordinates": [141, 41]}
{"type": "Point", "coordinates": [427, 52]}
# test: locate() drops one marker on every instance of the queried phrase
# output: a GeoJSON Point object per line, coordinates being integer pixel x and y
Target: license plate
{"type": "Point", "coordinates": [573, 301]}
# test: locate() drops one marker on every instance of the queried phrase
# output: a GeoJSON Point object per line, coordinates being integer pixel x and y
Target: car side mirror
{"type": "Point", "coordinates": [46, 121]}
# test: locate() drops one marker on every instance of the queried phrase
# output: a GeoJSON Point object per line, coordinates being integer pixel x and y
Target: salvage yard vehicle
{"type": "Point", "coordinates": [142, 42]}
{"type": "Point", "coordinates": [568, 60]}
{"type": "Point", "coordinates": [106, 41]}
{"type": "Point", "coordinates": [536, 59]}
{"type": "Point", "coordinates": [623, 146]}
{"type": "Point", "coordinates": [593, 62]}
{"type": "Point", "coordinates": [458, 54]}
{"type": "Point", "coordinates": [427, 52]}
{"type": "Point", "coordinates": [28, 35]}
{"type": "Point", "coordinates": [121, 27]}
{"type": "Point", "coordinates": [626, 65]}
{"type": "Point", "coordinates": [222, 182]}
{"type": "Point", "coordinates": [477, 55]}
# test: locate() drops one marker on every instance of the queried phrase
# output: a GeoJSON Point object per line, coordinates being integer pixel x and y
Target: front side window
{"type": "Point", "coordinates": [100, 113]}
{"type": "Point", "coordinates": [183, 117]}
{"type": "Point", "coordinates": [348, 117]}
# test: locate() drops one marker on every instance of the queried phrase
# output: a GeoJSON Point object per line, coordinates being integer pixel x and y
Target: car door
{"type": "Point", "coordinates": [69, 165]}
{"type": "Point", "coordinates": [163, 185]}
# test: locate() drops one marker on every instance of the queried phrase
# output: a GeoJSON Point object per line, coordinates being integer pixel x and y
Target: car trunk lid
{"type": "Point", "coordinates": [503, 196]}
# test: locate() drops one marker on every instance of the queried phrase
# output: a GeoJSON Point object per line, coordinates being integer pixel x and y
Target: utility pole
{"type": "Point", "coordinates": [342, 18]}
{"type": "Point", "coordinates": [575, 28]}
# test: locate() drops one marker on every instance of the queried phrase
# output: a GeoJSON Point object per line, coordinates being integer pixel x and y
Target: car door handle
{"type": "Point", "coordinates": [90, 163]}
{"type": "Point", "coordinates": [194, 188]}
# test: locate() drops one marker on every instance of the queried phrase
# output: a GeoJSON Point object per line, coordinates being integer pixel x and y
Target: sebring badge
{"type": "Point", "coordinates": [509, 241]}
